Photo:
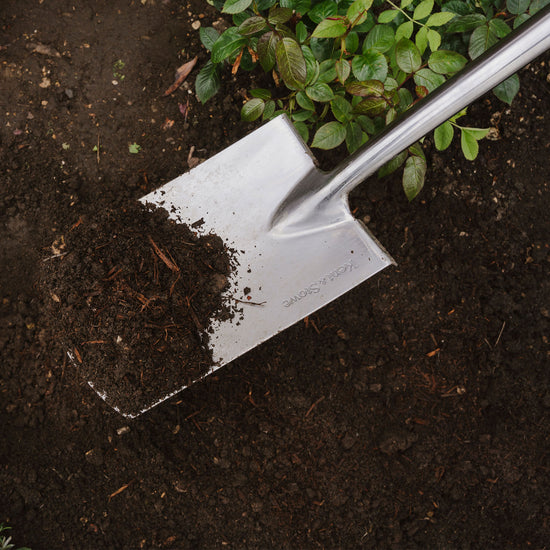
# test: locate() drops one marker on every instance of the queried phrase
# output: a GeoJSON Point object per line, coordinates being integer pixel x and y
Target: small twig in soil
{"type": "Point", "coordinates": [500, 334]}
{"type": "Point", "coordinates": [249, 303]}
{"type": "Point", "coordinates": [171, 265]}
{"type": "Point", "coordinates": [174, 284]}
{"type": "Point", "coordinates": [118, 491]}
{"type": "Point", "coordinates": [194, 315]}
{"type": "Point", "coordinates": [113, 273]}
{"type": "Point", "coordinates": [55, 256]}
{"type": "Point", "coordinates": [76, 224]}
{"type": "Point", "coordinates": [314, 405]}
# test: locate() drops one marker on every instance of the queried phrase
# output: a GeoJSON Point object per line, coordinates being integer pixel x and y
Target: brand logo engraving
{"type": "Point", "coordinates": [315, 287]}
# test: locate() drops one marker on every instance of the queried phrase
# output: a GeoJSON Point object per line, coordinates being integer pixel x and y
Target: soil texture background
{"type": "Point", "coordinates": [413, 412]}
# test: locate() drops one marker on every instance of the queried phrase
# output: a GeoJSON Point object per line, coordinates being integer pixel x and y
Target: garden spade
{"type": "Point", "coordinates": [297, 245]}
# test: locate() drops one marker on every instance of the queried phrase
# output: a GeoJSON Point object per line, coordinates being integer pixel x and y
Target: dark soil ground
{"type": "Point", "coordinates": [413, 412]}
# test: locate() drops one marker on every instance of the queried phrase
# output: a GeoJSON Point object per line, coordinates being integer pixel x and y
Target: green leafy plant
{"type": "Point", "coordinates": [134, 148]}
{"type": "Point", "coordinates": [5, 541]}
{"type": "Point", "coordinates": [345, 69]}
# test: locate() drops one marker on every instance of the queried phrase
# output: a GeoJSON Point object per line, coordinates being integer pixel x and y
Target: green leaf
{"type": "Point", "coordinates": [459, 7]}
{"type": "Point", "coordinates": [321, 11]}
{"type": "Point", "coordinates": [478, 133]}
{"type": "Point", "coordinates": [423, 9]}
{"type": "Point", "coordinates": [327, 71]}
{"type": "Point", "coordinates": [407, 56]}
{"type": "Point", "coordinates": [321, 47]}
{"type": "Point", "coordinates": [367, 125]}
{"type": "Point", "coordinates": [134, 148]}
{"type": "Point", "coordinates": [301, 116]}
{"type": "Point", "coordinates": [372, 65]}
{"type": "Point", "coordinates": [380, 38]}
{"type": "Point", "coordinates": [466, 23]}
{"type": "Point", "coordinates": [207, 82]}
{"type": "Point", "coordinates": [414, 175]}
{"type": "Point", "coordinates": [406, 98]}
{"type": "Point", "coordinates": [239, 18]}
{"type": "Point", "coordinates": [268, 110]}
{"type": "Point", "coordinates": [228, 44]}
{"type": "Point", "coordinates": [468, 143]}
{"type": "Point", "coordinates": [312, 65]}
{"type": "Point", "coordinates": [393, 164]}
{"type": "Point", "coordinates": [499, 27]}
{"type": "Point", "coordinates": [284, 31]}
{"type": "Point", "coordinates": [365, 27]}
{"type": "Point", "coordinates": [421, 39]}
{"type": "Point", "coordinates": [302, 129]}
{"type": "Point", "coordinates": [357, 12]}
{"type": "Point", "coordinates": [262, 93]}
{"type": "Point", "coordinates": [520, 19]}
{"type": "Point", "coordinates": [252, 25]}
{"type": "Point", "coordinates": [434, 39]}
{"type": "Point", "coordinates": [416, 149]}
{"type": "Point", "coordinates": [262, 5]}
{"type": "Point", "coordinates": [439, 19]}
{"type": "Point", "coordinates": [481, 40]}
{"type": "Point", "coordinates": [301, 6]}
{"type": "Point", "coordinates": [277, 16]}
{"type": "Point", "coordinates": [304, 102]}
{"type": "Point", "coordinates": [507, 90]}
{"type": "Point", "coordinates": [458, 115]}
{"type": "Point", "coordinates": [391, 85]}
{"type": "Point", "coordinates": [371, 106]}
{"type": "Point", "coordinates": [517, 6]}
{"type": "Point", "coordinates": [443, 135]}
{"type": "Point", "coordinates": [404, 30]}
{"type": "Point", "coordinates": [354, 136]}
{"type": "Point", "coordinates": [341, 109]}
{"type": "Point", "coordinates": [428, 79]}
{"type": "Point", "coordinates": [366, 88]}
{"type": "Point", "coordinates": [343, 70]}
{"type": "Point", "coordinates": [267, 44]}
{"type": "Point", "coordinates": [446, 62]}
{"type": "Point", "coordinates": [330, 28]}
{"type": "Point", "coordinates": [301, 32]}
{"type": "Point", "coordinates": [252, 109]}
{"type": "Point", "coordinates": [352, 42]}
{"type": "Point", "coordinates": [291, 63]}
{"type": "Point", "coordinates": [329, 136]}
{"type": "Point", "coordinates": [208, 36]}
{"type": "Point", "coordinates": [537, 5]}
{"type": "Point", "coordinates": [320, 92]}
{"type": "Point", "coordinates": [387, 16]}
{"type": "Point", "coordinates": [235, 6]}
{"type": "Point", "coordinates": [405, 3]}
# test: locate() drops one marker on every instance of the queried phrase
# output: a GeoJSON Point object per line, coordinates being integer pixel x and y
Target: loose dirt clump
{"type": "Point", "coordinates": [133, 294]}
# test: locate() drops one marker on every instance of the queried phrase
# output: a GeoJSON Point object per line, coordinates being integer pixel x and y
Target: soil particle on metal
{"type": "Point", "coordinates": [134, 294]}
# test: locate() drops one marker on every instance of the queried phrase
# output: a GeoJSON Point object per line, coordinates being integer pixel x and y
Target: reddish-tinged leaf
{"type": "Point", "coordinates": [181, 74]}
{"type": "Point", "coordinates": [421, 91]}
{"type": "Point", "coordinates": [184, 109]}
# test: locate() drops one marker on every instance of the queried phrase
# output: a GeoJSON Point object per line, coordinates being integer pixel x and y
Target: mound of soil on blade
{"type": "Point", "coordinates": [134, 294]}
